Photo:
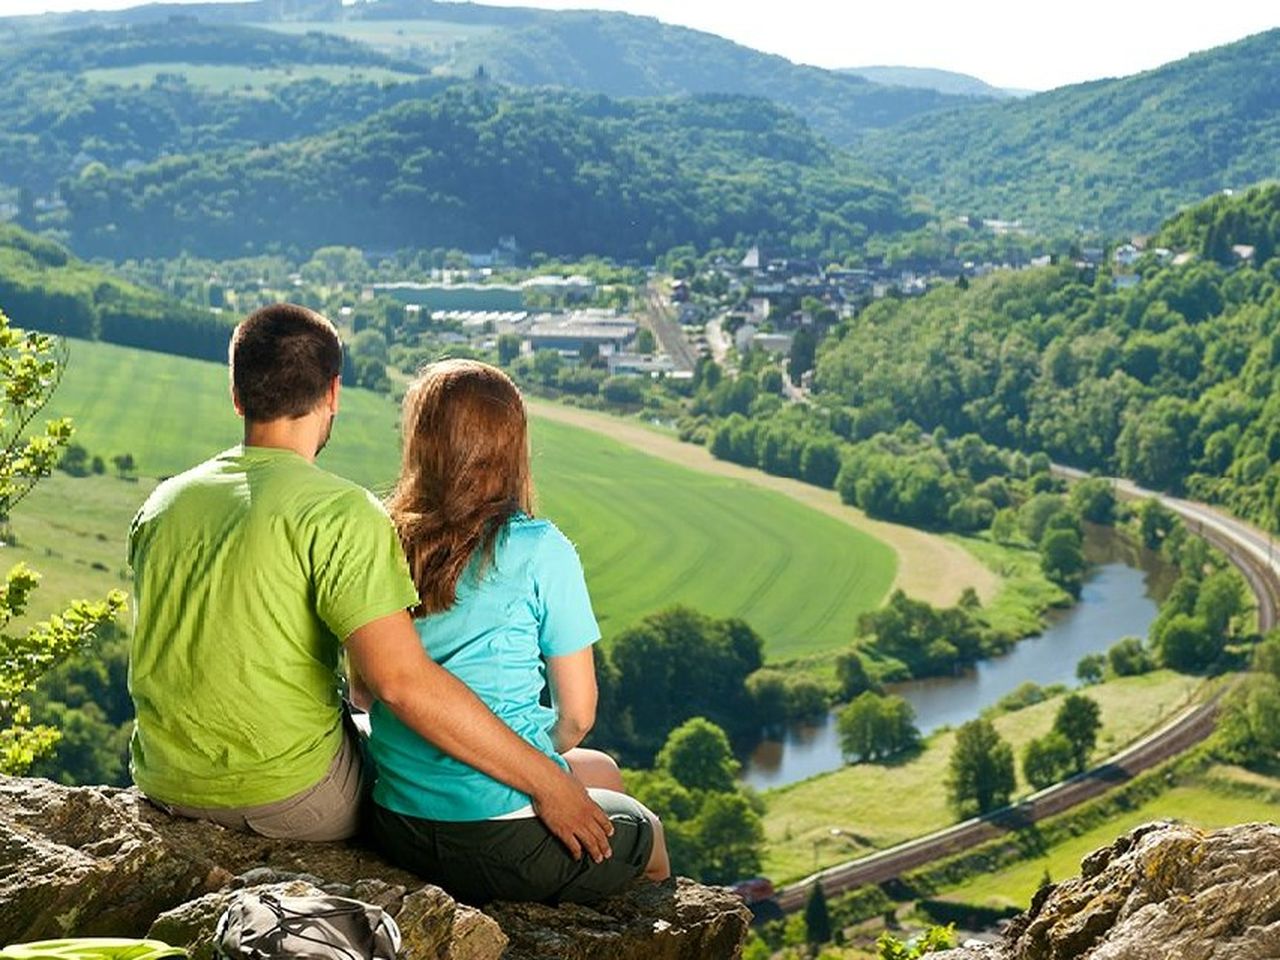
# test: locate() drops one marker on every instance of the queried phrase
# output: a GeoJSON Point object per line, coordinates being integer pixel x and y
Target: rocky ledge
{"type": "Point", "coordinates": [100, 861]}
{"type": "Point", "coordinates": [1162, 890]}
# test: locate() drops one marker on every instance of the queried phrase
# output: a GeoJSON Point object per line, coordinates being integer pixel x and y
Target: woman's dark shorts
{"type": "Point", "coordinates": [483, 860]}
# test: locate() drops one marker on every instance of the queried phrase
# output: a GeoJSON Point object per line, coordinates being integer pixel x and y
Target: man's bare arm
{"type": "Point", "coordinates": [388, 656]}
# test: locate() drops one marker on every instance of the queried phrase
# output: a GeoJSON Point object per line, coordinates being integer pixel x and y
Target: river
{"type": "Point", "coordinates": [1119, 599]}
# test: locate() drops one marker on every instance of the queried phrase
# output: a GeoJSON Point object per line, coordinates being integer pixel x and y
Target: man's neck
{"type": "Point", "coordinates": [296, 435]}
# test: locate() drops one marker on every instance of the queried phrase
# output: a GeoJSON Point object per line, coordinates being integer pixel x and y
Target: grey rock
{"type": "Point", "coordinates": [676, 920]}
{"type": "Point", "coordinates": [100, 861]}
{"type": "Point", "coordinates": [1162, 890]}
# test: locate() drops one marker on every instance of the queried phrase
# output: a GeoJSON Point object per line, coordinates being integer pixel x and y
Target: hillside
{"type": "Point", "coordinates": [565, 173]}
{"type": "Point", "coordinates": [57, 105]}
{"type": "Point", "coordinates": [611, 53]}
{"type": "Point", "coordinates": [943, 81]}
{"type": "Point", "coordinates": [44, 287]}
{"type": "Point", "coordinates": [1112, 154]}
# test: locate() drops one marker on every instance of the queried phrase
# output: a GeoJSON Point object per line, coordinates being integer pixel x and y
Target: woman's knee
{"type": "Point", "coordinates": [594, 768]}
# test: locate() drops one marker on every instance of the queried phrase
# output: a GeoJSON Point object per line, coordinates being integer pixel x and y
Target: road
{"type": "Point", "coordinates": [663, 323]}
{"type": "Point", "coordinates": [1250, 550]}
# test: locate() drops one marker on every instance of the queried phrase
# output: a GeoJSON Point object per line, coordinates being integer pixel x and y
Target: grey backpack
{"type": "Point", "coordinates": [269, 927]}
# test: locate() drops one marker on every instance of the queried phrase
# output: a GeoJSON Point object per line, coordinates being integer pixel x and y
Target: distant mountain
{"type": "Point", "coordinates": [565, 173]}
{"type": "Point", "coordinates": [611, 53]}
{"type": "Point", "coordinates": [1112, 154]}
{"type": "Point", "coordinates": [943, 81]}
{"type": "Point", "coordinates": [50, 113]}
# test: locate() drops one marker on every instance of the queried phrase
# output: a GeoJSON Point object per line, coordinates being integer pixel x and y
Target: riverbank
{"type": "Point", "coordinates": [873, 806]}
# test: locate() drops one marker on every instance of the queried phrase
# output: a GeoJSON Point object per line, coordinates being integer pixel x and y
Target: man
{"type": "Point", "coordinates": [252, 573]}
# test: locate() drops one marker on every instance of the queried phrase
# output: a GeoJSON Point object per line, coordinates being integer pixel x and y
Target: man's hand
{"type": "Point", "coordinates": [568, 811]}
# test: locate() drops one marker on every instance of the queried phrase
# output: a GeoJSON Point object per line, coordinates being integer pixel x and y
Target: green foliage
{"type": "Point", "coordinates": [1062, 558]}
{"type": "Point", "coordinates": [713, 826]}
{"type": "Point", "coordinates": [817, 919]}
{"type": "Point", "coordinates": [933, 940]}
{"type": "Point", "coordinates": [674, 666]}
{"type": "Point", "coordinates": [697, 755]}
{"type": "Point", "coordinates": [1129, 657]}
{"type": "Point", "coordinates": [1249, 731]}
{"type": "Point", "coordinates": [874, 727]}
{"type": "Point", "coordinates": [1114, 154]}
{"type": "Point", "coordinates": [566, 173]}
{"type": "Point", "coordinates": [1078, 720]}
{"type": "Point", "coordinates": [30, 369]}
{"type": "Point", "coordinates": [1048, 759]}
{"type": "Point", "coordinates": [1185, 643]}
{"type": "Point", "coordinates": [852, 677]}
{"type": "Point", "coordinates": [1091, 668]}
{"type": "Point", "coordinates": [1094, 500]}
{"type": "Point", "coordinates": [981, 773]}
{"type": "Point", "coordinates": [927, 640]}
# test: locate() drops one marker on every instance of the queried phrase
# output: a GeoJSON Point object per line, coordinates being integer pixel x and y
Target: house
{"type": "Point", "coordinates": [679, 292]}
{"type": "Point", "coordinates": [568, 289]}
{"type": "Point", "coordinates": [639, 365]}
{"type": "Point", "coordinates": [1244, 252]}
{"type": "Point", "coordinates": [752, 260]}
{"type": "Point", "coordinates": [779, 343]}
{"type": "Point", "coordinates": [571, 333]}
{"type": "Point", "coordinates": [1126, 255]}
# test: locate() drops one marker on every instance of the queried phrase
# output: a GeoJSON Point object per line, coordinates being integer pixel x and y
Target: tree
{"type": "Point", "coordinates": [1036, 513]}
{"type": "Point", "coordinates": [646, 343]}
{"type": "Point", "coordinates": [768, 691]}
{"type": "Point", "coordinates": [817, 919]}
{"type": "Point", "coordinates": [731, 834]}
{"type": "Point", "coordinates": [1078, 720]}
{"type": "Point", "coordinates": [1047, 760]}
{"type": "Point", "coordinates": [508, 348]}
{"type": "Point", "coordinates": [981, 775]}
{"type": "Point", "coordinates": [1091, 668]}
{"type": "Point", "coordinates": [851, 675]}
{"type": "Point", "coordinates": [1249, 731]}
{"type": "Point", "coordinates": [124, 464]}
{"type": "Point", "coordinates": [1220, 599]}
{"type": "Point", "coordinates": [31, 368]}
{"type": "Point", "coordinates": [873, 727]}
{"type": "Point", "coordinates": [804, 348]}
{"type": "Point", "coordinates": [74, 460]}
{"type": "Point", "coordinates": [1094, 499]}
{"type": "Point", "coordinates": [1062, 558]}
{"type": "Point", "coordinates": [1129, 657]}
{"type": "Point", "coordinates": [697, 755]}
{"type": "Point", "coordinates": [1156, 521]}
{"type": "Point", "coordinates": [1185, 643]}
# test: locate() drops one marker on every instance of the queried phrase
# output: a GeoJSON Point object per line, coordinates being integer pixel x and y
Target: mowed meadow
{"type": "Point", "coordinates": [651, 533]}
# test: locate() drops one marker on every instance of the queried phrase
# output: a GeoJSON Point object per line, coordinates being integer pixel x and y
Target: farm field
{"type": "Point", "coordinates": [651, 533]}
{"type": "Point", "coordinates": [865, 800]}
{"type": "Point", "coordinates": [1207, 803]}
{"type": "Point", "coordinates": [393, 37]}
{"type": "Point", "coordinates": [228, 78]}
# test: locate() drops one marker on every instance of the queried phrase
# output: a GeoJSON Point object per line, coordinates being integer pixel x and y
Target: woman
{"type": "Point", "coordinates": [504, 607]}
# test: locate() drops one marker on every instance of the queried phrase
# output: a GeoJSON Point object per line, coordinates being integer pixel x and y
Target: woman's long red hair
{"type": "Point", "coordinates": [465, 472]}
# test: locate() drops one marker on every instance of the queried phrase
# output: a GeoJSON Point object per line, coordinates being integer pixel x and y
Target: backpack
{"type": "Point", "coordinates": [319, 927]}
{"type": "Point", "coordinates": [91, 948]}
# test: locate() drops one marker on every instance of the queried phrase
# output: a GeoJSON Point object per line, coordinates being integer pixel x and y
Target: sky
{"type": "Point", "coordinates": [1010, 43]}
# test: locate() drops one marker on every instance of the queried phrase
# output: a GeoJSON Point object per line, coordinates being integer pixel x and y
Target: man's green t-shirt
{"type": "Point", "coordinates": [250, 570]}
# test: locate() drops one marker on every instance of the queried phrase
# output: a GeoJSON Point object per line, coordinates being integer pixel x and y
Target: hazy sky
{"type": "Point", "coordinates": [1011, 43]}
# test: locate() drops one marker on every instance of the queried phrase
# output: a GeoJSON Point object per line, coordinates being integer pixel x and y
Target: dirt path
{"type": "Point", "coordinates": [929, 567]}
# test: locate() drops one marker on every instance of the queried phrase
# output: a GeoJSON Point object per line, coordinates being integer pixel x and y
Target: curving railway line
{"type": "Point", "coordinates": [1253, 553]}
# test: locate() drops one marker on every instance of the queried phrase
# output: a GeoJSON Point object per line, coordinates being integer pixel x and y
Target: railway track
{"type": "Point", "coordinates": [1252, 554]}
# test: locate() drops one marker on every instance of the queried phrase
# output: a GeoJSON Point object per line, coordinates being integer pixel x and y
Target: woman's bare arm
{"type": "Point", "coordinates": [573, 691]}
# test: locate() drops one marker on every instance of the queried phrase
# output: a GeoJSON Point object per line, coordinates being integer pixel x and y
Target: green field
{"type": "Point", "coordinates": [866, 800]}
{"type": "Point", "coordinates": [651, 533]}
{"type": "Point", "coordinates": [226, 78]}
{"type": "Point", "coordinates": [1206, 804]}
{"type": "Point", "coordinates": [393, 37]}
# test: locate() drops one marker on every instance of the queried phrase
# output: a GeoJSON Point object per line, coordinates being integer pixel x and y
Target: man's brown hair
{"type": "Point", "coordinates": [283, 358]}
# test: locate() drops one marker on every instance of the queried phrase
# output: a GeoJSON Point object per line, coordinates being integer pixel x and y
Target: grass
{"type": "Point", "coordinates": [229, 78]}
{"type": "Point", "coordinates": [1203, 804]}
{"type": "Point", "coordinates": [1025, 592]}
{"type": "Point", "coordinates": [395, 37]}
{"type": "Point", "coordinates": [651, 533]}
{"type": "Point", "coordinates": [866, 800]}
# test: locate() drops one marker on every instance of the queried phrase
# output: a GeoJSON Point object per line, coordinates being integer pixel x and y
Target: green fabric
{"type": "Point", "coordinates": [249, 572]}
{"type": "Point", "coordinates": [91, 948]}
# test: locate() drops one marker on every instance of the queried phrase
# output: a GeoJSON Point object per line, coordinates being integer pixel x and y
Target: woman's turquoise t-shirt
{"type": "Point", "coordinates": [530, 603]}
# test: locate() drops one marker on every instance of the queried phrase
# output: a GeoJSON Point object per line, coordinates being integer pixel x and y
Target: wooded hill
{"type": "Point", "coordinates": [1114, 155]}
{"type": "Point", "coordinates": [565, 173]}
{"type": "Point", "coordinates": [612, 53]}
{"type": "Point", "coordinates": [45, 288]}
